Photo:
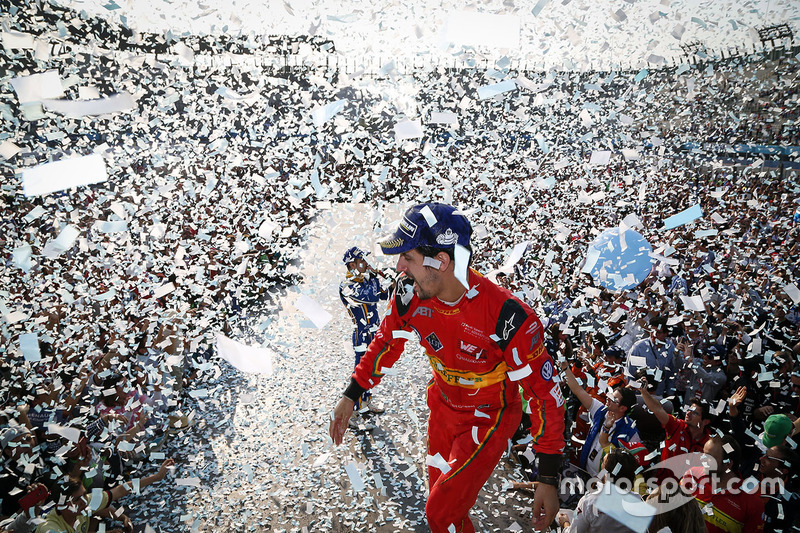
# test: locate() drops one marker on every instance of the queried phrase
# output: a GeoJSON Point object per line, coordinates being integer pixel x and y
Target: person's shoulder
{"type": "Point", "coordinates": [588, 504]}
{"type": "Point", "coordinates": [513, 317]}
{"type": "Point", "coordinates": [105, 500]}
{"type": "Point", "coordinates": [596, 406]}
{"type": "Point", "coordinates": [345, 289]}
{"type": "Point", "coordinates": [675, 423]}
{"type": "Point", "coordinates": [497, 299]}
{"type": "Point", "coordinates": [489, 290]}
{"type": "Point", "coordinates": [753, 500]}
{"type": "Point", "coordinates": [52, 524]}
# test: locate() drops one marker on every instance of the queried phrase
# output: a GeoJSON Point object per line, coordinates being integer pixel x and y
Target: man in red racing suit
{"type": "Point", "coordinates": [482, 343]}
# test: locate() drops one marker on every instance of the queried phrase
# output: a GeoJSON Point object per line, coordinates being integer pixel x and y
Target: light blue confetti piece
{"type": "Point", "coordinates": [318, 188]}
{"type": "Point", "coordinates": [29, 346]}
{"type": "Point", "coordinates": [321, 114]}
{"type": "Point", "coordinates": [112, 226]}
{"type": "Point", "coordinates": [543, 144]}
{"type": "Point", "coordinates": [488, 91]}
{"type": "Point", "coordinates": [642, 75]}
{"type": "Point", "coordinates": [684, 217]}
{"type": "Point", "coordinates": [355, 478]}
{"type": "Point", "coordinates": [538, 7]}
{"type": "Point", "coordinates": [21, 257]}
{"type": "Point", "coordinates": [346, 19]}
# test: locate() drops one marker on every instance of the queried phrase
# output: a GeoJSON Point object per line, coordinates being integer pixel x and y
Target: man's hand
{"type": "Point", "coordinates": [165, 466]}
{"type": "Point", "coordinates": [112, 416]}
{"type": "Point", "coordinates": [126, 524]}
{"type": "Point", "coordinates": [38, 486]}
{"type": "Point", "coordinates": [738, 396]}
{"type": "Point", "coordinates": [763, 412]}
{"type": "Point", "coordinates": [341, 416]}
{"type": "Point", "coordinates": [545, 506]}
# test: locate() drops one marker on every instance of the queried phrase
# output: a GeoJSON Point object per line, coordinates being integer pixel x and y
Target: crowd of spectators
{"type": "Point", "coordinates": [219, 170]}
{"type": "Point", "coordinates": [647, 373]}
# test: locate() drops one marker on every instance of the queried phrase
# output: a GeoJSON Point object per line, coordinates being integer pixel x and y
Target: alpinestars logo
{"type": "Point", "coordinates": [509, 327]}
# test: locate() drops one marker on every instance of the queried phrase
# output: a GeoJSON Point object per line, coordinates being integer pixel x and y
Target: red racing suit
{"type": "Point", "coordinates": [480, 350]}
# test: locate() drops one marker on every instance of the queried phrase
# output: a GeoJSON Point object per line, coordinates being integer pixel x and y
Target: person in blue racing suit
{"type": "Point", "coordinates": [360, 293]}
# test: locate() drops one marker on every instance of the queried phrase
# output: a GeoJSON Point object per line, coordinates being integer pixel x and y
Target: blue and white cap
{"type": "Point", "coordinates": [353, 254]}
{"type": "Point", "coordinates": [438, 226]}
{"type": "Point", "coordinates": [431, 224]}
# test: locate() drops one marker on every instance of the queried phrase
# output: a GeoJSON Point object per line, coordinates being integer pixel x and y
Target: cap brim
{"type": "Point", "coordinates": [396, 243]}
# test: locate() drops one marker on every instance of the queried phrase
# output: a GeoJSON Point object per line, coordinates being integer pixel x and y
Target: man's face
{"type": "Point", "coordinates": [614, 403]}
{"type": "Point", "coordinates": [714, 452]}
{"type": "Point", "coordinates": [76, 503]}
{"type": "Point", "coordinates": [20, 447]}
{"type": "Point", "coordinates": [359, 265]}
{"type": "Point", "coordinates": [770, 463]}
{"type": "Point", "coordinates": [427, 280]}
{"type": "Point", "coordinates": [694, 416]}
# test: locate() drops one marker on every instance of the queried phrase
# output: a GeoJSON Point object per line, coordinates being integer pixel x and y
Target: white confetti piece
{"type": "Point", "coordinates": [482, 29]}
{"type": "Point", "coordinates": [437, 461]}
{"type": "Point", "coordinates": [37, 87]}
{"type": "Point", "coordinates": [444, 117]}
{"type": "Point", "coordinates": [408, 129]}
{"type": "Point", "coordinates": [321, 114]}
{"type": "Point", "coordinates": [69, 433]}
{"type": "Point", "coordinates": [402, 334]}
{"type": "Point", "coordinates": [313, 310]}
{"type": "Point", "coordinates": [163, 290]}
{"type": "Point", "coordinates": [65, 174]}
{"type": "Point", "coordinates": [431, 262]}
{"type": "Point", "coordinates": [249, 359]}
{"type": "Point", "coordinates": [793, 292]}
{"type": "Point", "coordinates": [8, 149]}
{"type": "Point", "coordinates": [520, 373]}
{"type": "Point", "coordinates": [117, 103]}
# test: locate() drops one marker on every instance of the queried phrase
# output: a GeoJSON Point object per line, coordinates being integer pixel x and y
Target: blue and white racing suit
{"type": "Point", "coordinates": [360, 296]}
